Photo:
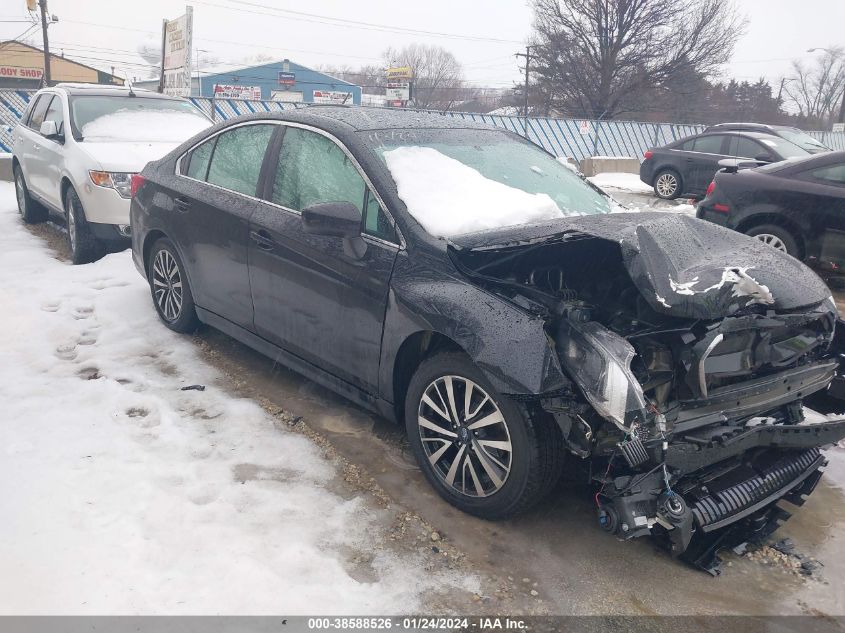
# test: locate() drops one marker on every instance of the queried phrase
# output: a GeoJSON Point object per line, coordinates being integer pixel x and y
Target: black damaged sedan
{"type": "Point", "coordinates": [458, 279]}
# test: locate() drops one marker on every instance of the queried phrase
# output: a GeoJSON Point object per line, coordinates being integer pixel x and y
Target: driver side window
{"type": "Point", "coordinates": [312, 169]}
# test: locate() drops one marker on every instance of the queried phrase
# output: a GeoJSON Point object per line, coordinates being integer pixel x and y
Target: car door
{"type": "Point", "coordinates": [49, 159]}
{"type": "Point", "coordinates": [29, 141]}
{"type": "Point", "coordinates": [745, 147]}
{"type": "Point", "coordinates": [211, 211]}
{"type": "Point", "coordinates": [310, 297]}
{"type": "Point", "coordinates": [703, 161]}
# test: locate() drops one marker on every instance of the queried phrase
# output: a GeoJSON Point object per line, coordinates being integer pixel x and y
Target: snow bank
{"type": "Point", "coordinates": [122, 494]}
{"type": "Point", "coordinates": [449, 198]}
{"type": "Point", "coordinates": [620, 182]}
{"type": "Point", "coordinates": [153, 126]}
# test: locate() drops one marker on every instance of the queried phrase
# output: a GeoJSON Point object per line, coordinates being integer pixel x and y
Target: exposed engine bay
{"type": "Point", "coordinates": [686, 406]}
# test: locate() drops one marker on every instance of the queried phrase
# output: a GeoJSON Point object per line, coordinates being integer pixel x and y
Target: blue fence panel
{"type": "Point", "coordinates": [573, 138]}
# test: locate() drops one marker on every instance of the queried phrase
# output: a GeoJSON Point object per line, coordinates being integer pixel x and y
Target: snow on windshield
{"type": "Point", "coordinates": [149, 125]}
{"type": "Point", "coordinates": [449, 198]}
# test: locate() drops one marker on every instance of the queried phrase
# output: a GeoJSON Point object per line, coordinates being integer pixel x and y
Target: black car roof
{"type": "Point", "coordinates": [369, 118]}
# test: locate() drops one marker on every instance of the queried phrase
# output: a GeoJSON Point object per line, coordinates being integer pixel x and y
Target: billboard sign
{"type": "Point", "coordinates": [176, 63]}
{"type": "Point", "coordinates": [332, 96]}
{"type": "Point", "coordinates": [228, 91]}
{"type": "Point", "coordinates": [286, 78]}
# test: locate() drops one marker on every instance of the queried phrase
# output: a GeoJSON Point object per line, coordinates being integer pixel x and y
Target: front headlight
{"type": "Point", "coordinates": [118, 180]}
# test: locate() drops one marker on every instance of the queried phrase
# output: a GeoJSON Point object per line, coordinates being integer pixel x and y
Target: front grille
{"type": "Point", "coordinates": [736, 501]}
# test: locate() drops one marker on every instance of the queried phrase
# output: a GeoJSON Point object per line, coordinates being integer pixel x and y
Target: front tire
{"type": "Point", "coordinates": [31, 211]}
{"type": "Point", "coordinates": [170, 289]}
{"type": "Point", "coordinates": [84, 247]}
{"type": "Point", "coordinates": [667, 184]}
{"type": "Point", "coordinates": [777, 237]}
{"type": "Point", "coordinates": [481, 451]}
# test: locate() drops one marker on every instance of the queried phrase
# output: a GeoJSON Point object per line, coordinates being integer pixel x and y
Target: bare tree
{"type": "Point", "coordinates": [438, 76]}
{"type": "Point", "coordinates": [816, 88]}
{"type": "Point", "coordinates": [601, 58]}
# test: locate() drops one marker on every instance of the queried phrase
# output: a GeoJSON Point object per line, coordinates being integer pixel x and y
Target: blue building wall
{"type": "Point", "coordinates": [266, 76]}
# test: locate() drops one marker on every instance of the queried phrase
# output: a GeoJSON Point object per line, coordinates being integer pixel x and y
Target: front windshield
{"type": "Point", "coordinates": [802, 139]}
{"type": "Point", "coordinates": [125, 118]}
{"type": "Point", "coordinates": [786, 149]}
{"type": "Point", "coordinates": [457, 181]}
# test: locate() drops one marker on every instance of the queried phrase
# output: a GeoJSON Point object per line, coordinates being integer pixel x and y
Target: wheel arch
{"type": "Point", "coordinates": [64, 186]}
{"type": "Point", "coordinates": [414, 350]}
{"type": "Point", "coordinates": [151, 238]}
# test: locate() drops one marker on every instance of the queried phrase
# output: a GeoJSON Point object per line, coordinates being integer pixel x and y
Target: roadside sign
{"type": "Point", "coordinates": [287, 78]}
{"type": "Point", "coordinates": [332, 96]}
{"type": "Point", "coordinates": [584, 127]}
{"type": "Point", "coordinates": [227, 91]}
{"type": "Point", "coordinates": [176, 64]}
{"type": "Point", "coordinates": [839, 127]}
{"type": "Point", "coordinates": [398, 93]}
{"type": "Point", "coordinates": [400, 72]}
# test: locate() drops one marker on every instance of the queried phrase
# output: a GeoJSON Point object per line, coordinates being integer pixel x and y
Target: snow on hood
{"type": "Point", "coordinates": [126, 156]}
{"type": "Point", "coordinates": [150, 126]}
{"type": "Point", "coordinates": [450, 198]}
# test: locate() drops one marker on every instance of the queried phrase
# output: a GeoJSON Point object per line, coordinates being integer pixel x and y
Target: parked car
{"type": "Point", "coordinates": [796, 206]}
{"type": "Point", "coordinates": [76, 148]}
{"type": "Point", "coordinates": [792, 134]}
{"type": "Point", "coordinates": [686, 166]}
{"type": "Point", "coordinates": [457, 278]}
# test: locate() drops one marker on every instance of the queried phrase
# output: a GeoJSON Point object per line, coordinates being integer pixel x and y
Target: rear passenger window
{"type": "Point", "coordinates": [39, 111]}
{"type": "Point", "coordinates": [708, 144]}
{"type": "Point", "coordinates": [237, 158]}
{"type": "Point", "coordinates": [199, 159]}
{"type": "Point", "coordinates": [835, 174]}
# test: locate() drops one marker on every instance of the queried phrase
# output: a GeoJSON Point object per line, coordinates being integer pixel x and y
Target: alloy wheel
{"type": "Point", "coordinates": [71, 225]}
{"type": "Point", "coordinates": [772, 240]}
{"type": "Point", "coordinates": [167, 285]}
{"type": "Point", "coordinates": [20, 193]}
{"type": "Point", "coordinates": [666, 184]}
{"type": "Point", "coordinates": [464, 436]}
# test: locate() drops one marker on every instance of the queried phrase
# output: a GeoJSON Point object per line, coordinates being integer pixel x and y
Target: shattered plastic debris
{"type": "Point", "coordinates": [662, 301]}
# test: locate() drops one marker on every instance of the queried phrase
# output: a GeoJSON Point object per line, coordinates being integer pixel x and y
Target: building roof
{"type": "Point", "coordinates": [232, 69]}
{"type": "Point", "coordinates": [54, 56]}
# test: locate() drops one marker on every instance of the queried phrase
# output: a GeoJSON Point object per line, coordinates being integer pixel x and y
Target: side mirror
{"type": "Point", "coordinates": [50, 130]}
{"type": "Point", "coordinates": [763, 158]}
{"type": "Point", "coordinates": [338, 219]}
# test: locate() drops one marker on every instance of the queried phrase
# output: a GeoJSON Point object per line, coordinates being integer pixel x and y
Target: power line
{"type": "Point", "coordinates": [328, 20]}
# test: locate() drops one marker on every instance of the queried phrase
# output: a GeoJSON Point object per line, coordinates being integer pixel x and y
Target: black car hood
{"type": "Point", "coordinates": [683, 267]}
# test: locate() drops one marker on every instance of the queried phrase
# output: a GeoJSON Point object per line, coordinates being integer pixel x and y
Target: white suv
{"type": "Point", "coordinates": [76, 148]}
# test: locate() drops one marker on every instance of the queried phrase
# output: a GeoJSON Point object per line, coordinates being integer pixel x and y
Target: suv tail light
{"type": "Point", "coordinates": [137, 181]}
{"type": "Point", "coordinates": [710, 188]}
{"type": "Point", "coordinates": [648, 154]}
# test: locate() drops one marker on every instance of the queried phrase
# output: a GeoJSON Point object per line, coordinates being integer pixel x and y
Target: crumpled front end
{"type": "Point", "coordinates": [691, 366]}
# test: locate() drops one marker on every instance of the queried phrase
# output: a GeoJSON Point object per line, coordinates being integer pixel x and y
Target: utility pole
{"type": "Point", "coordinates": [43, 5]}
{"type": "Point", "coordinates": [527, 56]}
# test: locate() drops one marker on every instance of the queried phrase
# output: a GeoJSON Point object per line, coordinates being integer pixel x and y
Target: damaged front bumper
{"type": "Point", "coordinates": [712, 475]}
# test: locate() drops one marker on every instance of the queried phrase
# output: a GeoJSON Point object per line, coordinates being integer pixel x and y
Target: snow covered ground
{"type": "Point", "coordinates": [621, 182]}
{"type": "Point", "coordinates": [636, 195]}
{"type": "Point", "coordinates": [120, 493]}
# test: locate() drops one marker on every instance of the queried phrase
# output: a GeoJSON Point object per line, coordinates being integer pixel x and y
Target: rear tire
{"type": "Point", "coordinates": [84, 247]}
{"type": "Point", "coordinates": [777, 237]}
{"type": "Point", "coordinates": [31, 211]}
{"type": "Point", "coordinates": [499, 481]}
{"type": "Point", "coordinates": [668, 184]}
{"type": "Point", "coordinates": [170, 289]}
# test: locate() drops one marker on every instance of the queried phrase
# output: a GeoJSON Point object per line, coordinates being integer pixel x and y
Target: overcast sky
{"type": "Point", "coordinates": [104, 33]}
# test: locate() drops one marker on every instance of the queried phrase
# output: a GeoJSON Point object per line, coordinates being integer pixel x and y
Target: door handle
{"type": "Point", "coordinates": [262, 240]}
{"type": "Point", "coordinates": [182, 204]}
